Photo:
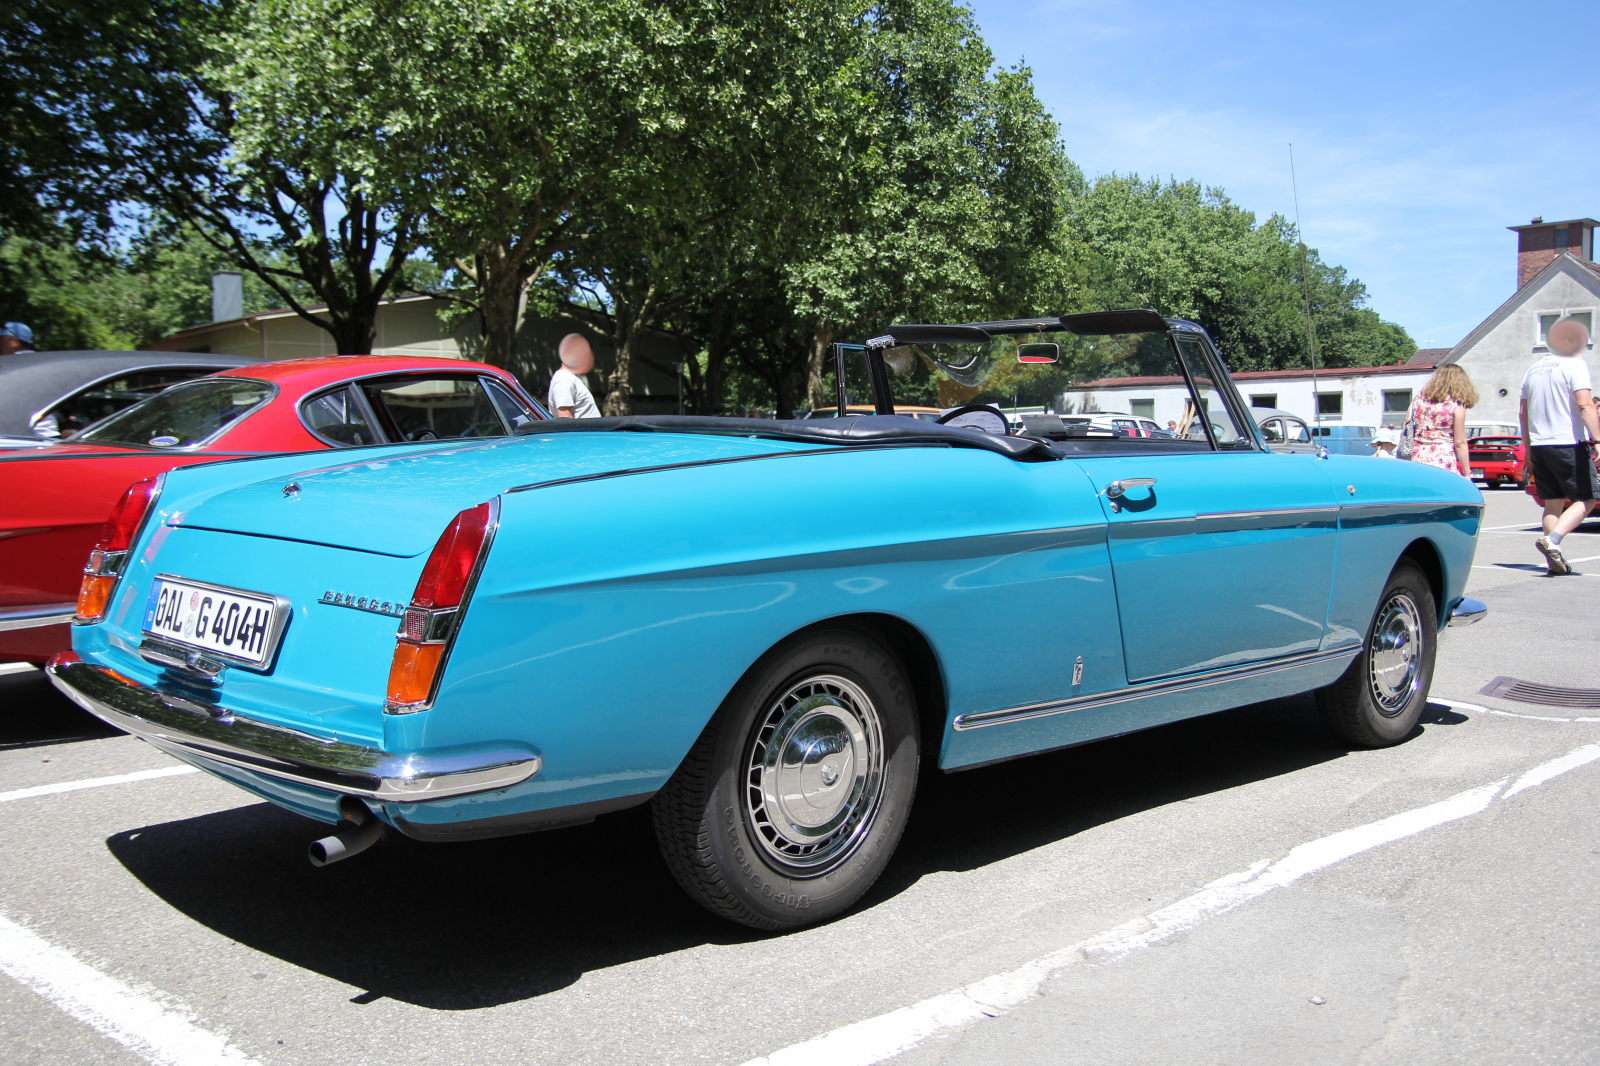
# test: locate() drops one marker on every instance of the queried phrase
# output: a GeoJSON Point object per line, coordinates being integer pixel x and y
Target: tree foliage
{"type": "Point", "coordinates": [1190, 252]}
{"type": "Point", "coordinates": [757, 178]}
{"type": "Point", "coordinates": [85, 91]}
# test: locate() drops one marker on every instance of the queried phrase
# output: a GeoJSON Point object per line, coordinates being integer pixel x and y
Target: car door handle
{"type": "Point", "coordinates": [1117, 488]}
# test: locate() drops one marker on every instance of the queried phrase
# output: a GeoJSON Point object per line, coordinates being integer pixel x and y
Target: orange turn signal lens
{"type": "Point", "coordinates": [93, 596]}
{"type": "Point", "coordinates": [411, 672]}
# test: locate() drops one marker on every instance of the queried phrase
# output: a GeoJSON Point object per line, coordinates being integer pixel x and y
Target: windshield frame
{"type": "Point", "coordinates": [1216, 368]}
{"type": "Point", "coordinates": [270, 395]}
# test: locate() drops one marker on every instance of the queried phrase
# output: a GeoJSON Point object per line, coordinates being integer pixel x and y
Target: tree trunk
{"type": "Point", "coordinates": [627, 332]}
{"type": "Point", "coordinates": [822, 335]}
{"type": "Point", "coordinates": [501, 281]}
{"type": "Point", "coordinates": [354, 331]}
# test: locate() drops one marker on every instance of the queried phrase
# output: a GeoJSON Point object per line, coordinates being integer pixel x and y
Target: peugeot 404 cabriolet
{"type": "Point", "coordinates": [468, 639]}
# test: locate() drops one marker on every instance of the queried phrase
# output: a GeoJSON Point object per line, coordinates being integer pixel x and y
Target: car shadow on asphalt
{"type": "Point", "coordinates": [473, 925]}
{"type": "Point", "coordinates": [33, 714]}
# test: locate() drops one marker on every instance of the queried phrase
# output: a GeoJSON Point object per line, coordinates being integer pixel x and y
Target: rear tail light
{"type": "Point", "coordinates": [110, 555]}
{"type": "Point", "coordinates": [432, 618]}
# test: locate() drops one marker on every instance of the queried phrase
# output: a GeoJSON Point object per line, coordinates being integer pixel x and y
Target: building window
{"type": "Point", "coordinates": [1396, 402]}
{"type": "Point", "coordinates": [1142, 408]}
{"type": "Point", "coordinates": [1561, 237]}
{"type": "Point", "coordinates": [1585, 317]}
{"type": "Point", "coordinates": [1269, 399]}
{"type": "Point", "coordinates": [1330, 403]}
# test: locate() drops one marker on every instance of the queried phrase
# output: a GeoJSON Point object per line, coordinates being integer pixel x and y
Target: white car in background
{"type": "Point", "coordinates": [1119, 422]}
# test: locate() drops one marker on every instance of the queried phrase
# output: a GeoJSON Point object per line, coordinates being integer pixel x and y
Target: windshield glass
{"type": "Point", "coordinates": [183, 416]}
{"type": "Point", "coordinates": [1099, 385]}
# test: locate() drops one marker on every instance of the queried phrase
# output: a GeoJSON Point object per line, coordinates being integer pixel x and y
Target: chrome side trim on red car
{"type": "Point", "coordinates": [35, 615]}
{"type": "Point", "coordinates": [195, 730]}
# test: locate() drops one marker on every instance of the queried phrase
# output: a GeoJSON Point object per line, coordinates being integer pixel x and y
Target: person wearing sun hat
{"type": "Point", "coordinates": [1560, 429]}
{"type": "Point", "coordinates": [1384, 443]}
{"type": "Point", "coordinates": [15, 337]}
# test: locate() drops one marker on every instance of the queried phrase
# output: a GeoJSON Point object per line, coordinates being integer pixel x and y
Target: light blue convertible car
{"type": "Point", "coordinates": [765, 629]}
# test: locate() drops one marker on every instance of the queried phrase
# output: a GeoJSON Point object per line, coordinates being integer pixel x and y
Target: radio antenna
{"type": "Point", "coordinates": [1305, 280]}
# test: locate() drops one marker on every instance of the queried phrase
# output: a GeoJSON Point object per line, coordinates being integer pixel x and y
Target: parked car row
{"type": "Point", "coordinates": [453, 629]}
{"type": "Point", "coordinates": [58, 493]}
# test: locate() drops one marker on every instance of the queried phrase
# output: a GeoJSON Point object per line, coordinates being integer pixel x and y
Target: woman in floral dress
{"type": "Point", "coordinates": [1438, 420]}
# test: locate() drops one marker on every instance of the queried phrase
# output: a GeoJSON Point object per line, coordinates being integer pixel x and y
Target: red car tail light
{"type": "Point", "coordinates": [431, 620]}
{"type": "Point", "coordinates": [110, 555]}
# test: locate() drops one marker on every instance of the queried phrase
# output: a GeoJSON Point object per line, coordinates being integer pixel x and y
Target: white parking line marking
{"type": "Point", "coordinates": [1458, 705]}
{"type": "Point", "coordinates": [1555, 767]}
{"type": "Point", "coordinates": [876, 1039]}
{"type": "Point", "coordinates": [16, 668]}
{"type": "Point", "coordinates": [155, 1033]}
{"type": "Point", "coordinates": [94, 782]}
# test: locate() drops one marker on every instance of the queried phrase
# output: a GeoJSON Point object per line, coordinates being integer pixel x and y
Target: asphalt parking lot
{"type": "Point", "coordinates": [1232, 889]}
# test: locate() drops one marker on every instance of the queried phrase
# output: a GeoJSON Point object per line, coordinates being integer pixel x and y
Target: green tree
{"type": "Point", "coordinates": [308, 187]}
{"type": "Point", "coordinates": [950, 180]}
{"type": "Point", "coordinates": [78, 296]}
{"type": "Point", "coordinates": [1190, 252]}
{"type": "Point", "coordinates": [86, 92]}
{"type": "Point", "coordinates": [597, 135]}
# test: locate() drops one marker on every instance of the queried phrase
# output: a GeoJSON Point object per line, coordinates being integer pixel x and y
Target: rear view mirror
{"type": "Point", "coordinates": [1038, 353]}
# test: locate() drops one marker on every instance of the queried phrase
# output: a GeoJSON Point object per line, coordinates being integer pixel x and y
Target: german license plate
{"type": "Point", "coordinates": [1477, 471]}
{"type": "Point", "coordinates": [231, 624]}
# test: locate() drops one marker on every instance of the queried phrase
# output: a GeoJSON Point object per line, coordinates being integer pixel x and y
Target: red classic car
{"type": "Point", "coordinates": [1495, 461]}
{"type": "Point", "coordinates": [58, 496]}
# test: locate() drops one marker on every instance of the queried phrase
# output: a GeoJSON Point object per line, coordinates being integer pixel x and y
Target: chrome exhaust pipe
{"type": "Point", "coordinates": [363, 831]}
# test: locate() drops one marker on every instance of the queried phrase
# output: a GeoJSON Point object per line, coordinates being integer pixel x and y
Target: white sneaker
{"type": "Point", "coordinates": [1552, 555]}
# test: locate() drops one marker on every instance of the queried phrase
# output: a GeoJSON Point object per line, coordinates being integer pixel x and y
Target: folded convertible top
{"type": "Point", "coordinates": [858, 429]}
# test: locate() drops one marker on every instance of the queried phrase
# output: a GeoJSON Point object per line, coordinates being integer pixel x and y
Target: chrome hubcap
{"type": "Point", "coordinates": [1395, 654]}
{"type": "Point", "coordinates": [815, 773]}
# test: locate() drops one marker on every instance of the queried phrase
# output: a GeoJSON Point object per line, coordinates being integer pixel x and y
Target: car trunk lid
{"type": "Point", "coordinates": [396, 502]}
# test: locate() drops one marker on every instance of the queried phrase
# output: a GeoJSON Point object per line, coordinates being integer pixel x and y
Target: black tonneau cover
{"type": "Point", "coordinates": [860, 429]}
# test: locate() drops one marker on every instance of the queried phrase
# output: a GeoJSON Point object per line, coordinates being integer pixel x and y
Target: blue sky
{"type": "Point", "coordinates": [1420, 130]}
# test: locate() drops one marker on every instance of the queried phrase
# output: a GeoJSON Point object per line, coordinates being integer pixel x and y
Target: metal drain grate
{"type": "Point", "coordinates": [1511, 688]}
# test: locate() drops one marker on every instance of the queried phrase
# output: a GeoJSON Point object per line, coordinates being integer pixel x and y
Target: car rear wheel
{"type": "Point", "coordinates": [1377, 701]}
{"type": "Point", "coordinates": [791, 802]}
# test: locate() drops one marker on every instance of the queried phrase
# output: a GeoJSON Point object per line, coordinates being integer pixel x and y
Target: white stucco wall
{"type": "Point", "coordinates": [1497, 359]}
{"type": "Point", "coordinates": [1361, 395]}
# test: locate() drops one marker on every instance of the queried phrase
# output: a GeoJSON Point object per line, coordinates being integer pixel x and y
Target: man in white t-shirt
{"type": "Point", "coordinates": [569, 396]}
{"type": "Point", "coordinates": [1559, 427]}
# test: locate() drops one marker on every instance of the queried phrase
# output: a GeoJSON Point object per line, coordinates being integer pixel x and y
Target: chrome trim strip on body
{"type": "Point", "coordinates": [720, 461]}
{"type": "Point", "coordinates": [43, 614]}
{"type": "Point", "coordinates": [1147, 689]}
{"type": "Point", "coordinates": [1467, 611]}
{"type": "Point", "coordinates": [1361, 515]}
{"type": "Point", "coordinates": [209, 732]}
{"type": "Point", "coordinates": [1270, 512]}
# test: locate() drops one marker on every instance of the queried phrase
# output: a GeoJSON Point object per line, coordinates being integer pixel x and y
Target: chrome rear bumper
{"type": "Point", "coordinates": [210, 732]}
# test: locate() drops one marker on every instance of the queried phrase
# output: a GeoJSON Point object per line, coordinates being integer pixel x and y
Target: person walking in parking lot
{"type": "Point", "coordinates": [1438, 420]}
{"type": "Point", "coordinates": [1559, 428]}
{"type": "Point", "coordinates": [569, 397]}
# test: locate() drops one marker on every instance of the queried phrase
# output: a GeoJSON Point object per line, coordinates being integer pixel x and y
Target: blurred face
{"type": "Point", "coordinates": [576, 355]}
{"type": "Point", "coordinates": [9, 345]}
{"type": "Point", "coordinates": [1568, 337]}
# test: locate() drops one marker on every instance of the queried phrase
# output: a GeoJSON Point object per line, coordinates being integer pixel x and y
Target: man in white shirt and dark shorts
{"type": "Point", "coordinates": [569, 397]}
{"type": "Point", "coordinates": [1560, 428]}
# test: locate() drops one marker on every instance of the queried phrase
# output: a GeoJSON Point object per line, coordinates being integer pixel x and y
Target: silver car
{"type": "Point", "coordinates": [1284, 432]}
